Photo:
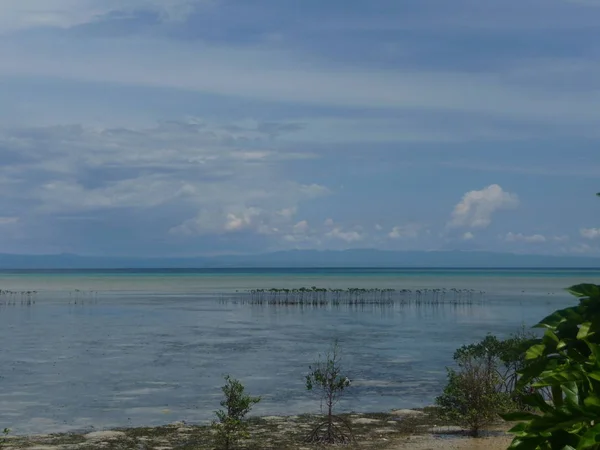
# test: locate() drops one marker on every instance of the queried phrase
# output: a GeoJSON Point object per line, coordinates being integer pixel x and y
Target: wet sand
{"type": "Point", "coordinates": [430, 442]}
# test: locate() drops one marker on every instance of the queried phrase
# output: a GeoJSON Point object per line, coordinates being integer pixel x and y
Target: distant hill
{"type": "Point", "coordinates": [304, 258]}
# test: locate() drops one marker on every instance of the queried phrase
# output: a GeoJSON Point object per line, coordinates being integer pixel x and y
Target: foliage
{"type": "Point", "coordinates": [473, 396]}
{"type": "Point", "coordinates": [230, 427]}
{"type": "Point", "coordinates": [506, 356]}
{"type": "Point", "coordinates": [5, 433]}
{"type": "Point", "coordinates": [566, 360]}
{"type": "Point", "coordinates": [327, 378]}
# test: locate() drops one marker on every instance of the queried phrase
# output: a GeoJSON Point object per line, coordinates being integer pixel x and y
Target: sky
{"type": "Point", "coordinates": [206, 127]}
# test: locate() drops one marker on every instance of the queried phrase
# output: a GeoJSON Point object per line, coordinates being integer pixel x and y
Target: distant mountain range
{"type": "Point", "coordinates": [304, 258]}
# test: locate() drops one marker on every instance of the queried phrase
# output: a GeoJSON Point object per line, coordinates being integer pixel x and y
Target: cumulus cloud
{"type": "Point", "coordinates": [347, 236]}
{"type": "Point", "coordinates": [519, 237]}
{"type": "Point", "coordinates": [476, 208]}
{"type": "Point", "coordinates": [405, 231]}
{"type": "Point", "coordinates": [200, 178]}
{"type": "Point", "coordinates": [590, 233]}
{"type": "Point", "coordinates": [301, 227]}
{"type": "Point", "coordinates": [226, 219]}
{"type": "Point", "coordinates": [468, 236]}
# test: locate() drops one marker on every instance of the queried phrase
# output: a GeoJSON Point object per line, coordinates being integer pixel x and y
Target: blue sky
{"type": "Point", "coordinates": [193, 127]}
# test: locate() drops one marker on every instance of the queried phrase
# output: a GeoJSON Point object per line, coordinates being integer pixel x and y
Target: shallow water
{"type": "Point", "coordinates": [134, 349]}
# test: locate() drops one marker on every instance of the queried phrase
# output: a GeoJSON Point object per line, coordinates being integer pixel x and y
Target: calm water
{"type": "Point", "coordinates": [150, 348]}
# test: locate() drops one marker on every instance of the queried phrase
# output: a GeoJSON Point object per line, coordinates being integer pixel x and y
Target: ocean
{"type": "Point", "coordinates": [86, 350]}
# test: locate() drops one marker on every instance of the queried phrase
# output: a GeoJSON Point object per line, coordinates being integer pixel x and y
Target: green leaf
{"type": "Point", "coordinates": [571, 393]}
{"type": "Point", "coordinates": [590, 439]}
{"type": "Point", "coordinates": [518, 428]}
{"type": "Point", "coordinates": [592, 401]}
{"type": "Point", "coordinates": [559, 377]}
{"type": "Point", "coordinates": [594, 375]}
{"type": "Point", "coordinates": [595, 349]}
{"type": "Point", "coordinates": [518, 416]}
{"type": "Point", "coordinates": [526, 443]}
{"type": "Point", "coordinates": [584, 331]}
{"type": "Point", "coordinates": [535, 351]}
{"type": "Point", "coordinates": [585, 290]}
{"type": "Point", "coordinates": [537, 401]}
{"type": "Point", "coordinates": [570, 314]}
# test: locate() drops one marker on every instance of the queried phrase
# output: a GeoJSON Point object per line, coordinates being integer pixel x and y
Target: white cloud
{"type": "Point", "coordinates": [590, 233]}
{"type": "Point", "coordinates": [468, 236]}
{"type": "Point", "coordinates": [217, 220]}
{"type": "Point", "coordinates": [301, 227]}
{"type": "Point", "coordinates": [275, 75]}
{"type": "Point", "coordinates": [315, 190]}
{"type": "Point", "coordinates": [192, 168]}
{"type": "Point", "coordinates": [405, 231]}
{"type": "Point", "coordinates": [328, 222]}
{"type": "Point", "coordinates": [519, 237]}
{"type": "Point", "coordinates": [237, 222]}
{"type": "Point", "coordinates": [476, 208]}
{"type": "Point", "coordinates": [348, 236]}
{"type": "Point", "coordinates": [288, 213]}
{"type": "Point", "coordinates": [8, 220]}
{"type": "Point", "coordinates": [581, 248]}
{"type": "Point", "coordinates": [19, 15]}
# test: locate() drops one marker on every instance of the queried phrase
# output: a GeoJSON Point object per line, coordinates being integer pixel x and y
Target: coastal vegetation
{"type": "Point", "coordinates": [316, 296]}
{"type": "Point", "coordinates": [327, 377]}
{"type": "Point", "coordinates": [231, 426]}
{"type": "Point", "coordinates": [13, 298]}
{"type": "Point", "coordinates": [484, 383]}
{"type": "Point", "coordinates": [566, 360]}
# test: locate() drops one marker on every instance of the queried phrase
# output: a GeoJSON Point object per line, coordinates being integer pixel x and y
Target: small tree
{"type": "Point", "coordinates": [230, 427]}
{"type": "Point", "coordinates": [473, 397]}
{"type": "Point", "coordinates": [506, 356]}
{"type": "Point", "coordinates": [327, 378]}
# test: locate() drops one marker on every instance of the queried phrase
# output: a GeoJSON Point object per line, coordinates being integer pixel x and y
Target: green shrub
{"type": "Point", "coordinates": [506, 356]}
{"type": "Point", "coordinates": [567, 361]}
{"type": "Point", "coordinates": [230, 427]}
{"type": "Point", "coordinates": [327, 378]}
{"type": "Point", "coordinates": [473, 398]}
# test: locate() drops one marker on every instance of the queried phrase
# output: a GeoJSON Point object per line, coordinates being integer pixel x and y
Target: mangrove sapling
{"type": "Point", "coordinates": [230, 426]}
{"type": "Point", "coordinates": [326, 377]}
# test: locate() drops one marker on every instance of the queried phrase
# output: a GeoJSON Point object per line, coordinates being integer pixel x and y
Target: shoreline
{"type": "Point", "coordinates": [418, 429]}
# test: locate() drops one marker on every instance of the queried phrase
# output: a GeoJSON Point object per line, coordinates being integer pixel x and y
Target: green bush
{"type": "Point", "coordinates": [506, 356]}
{"type": "Point", "coordinates": [473, 398]}
{"type": "Point", "coordinates": [230, 427]}
{"type": "Point", "coordinates": [567, 361]}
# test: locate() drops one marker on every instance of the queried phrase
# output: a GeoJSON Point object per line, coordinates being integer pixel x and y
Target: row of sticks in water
{"type": "Point", "coordinates": [27, 298]}
{"type": "Point", "coordinates": [355, 296]}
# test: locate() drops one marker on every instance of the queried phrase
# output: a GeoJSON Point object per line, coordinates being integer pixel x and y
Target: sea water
{"type": "Point", "coordinates": [102, 349]}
